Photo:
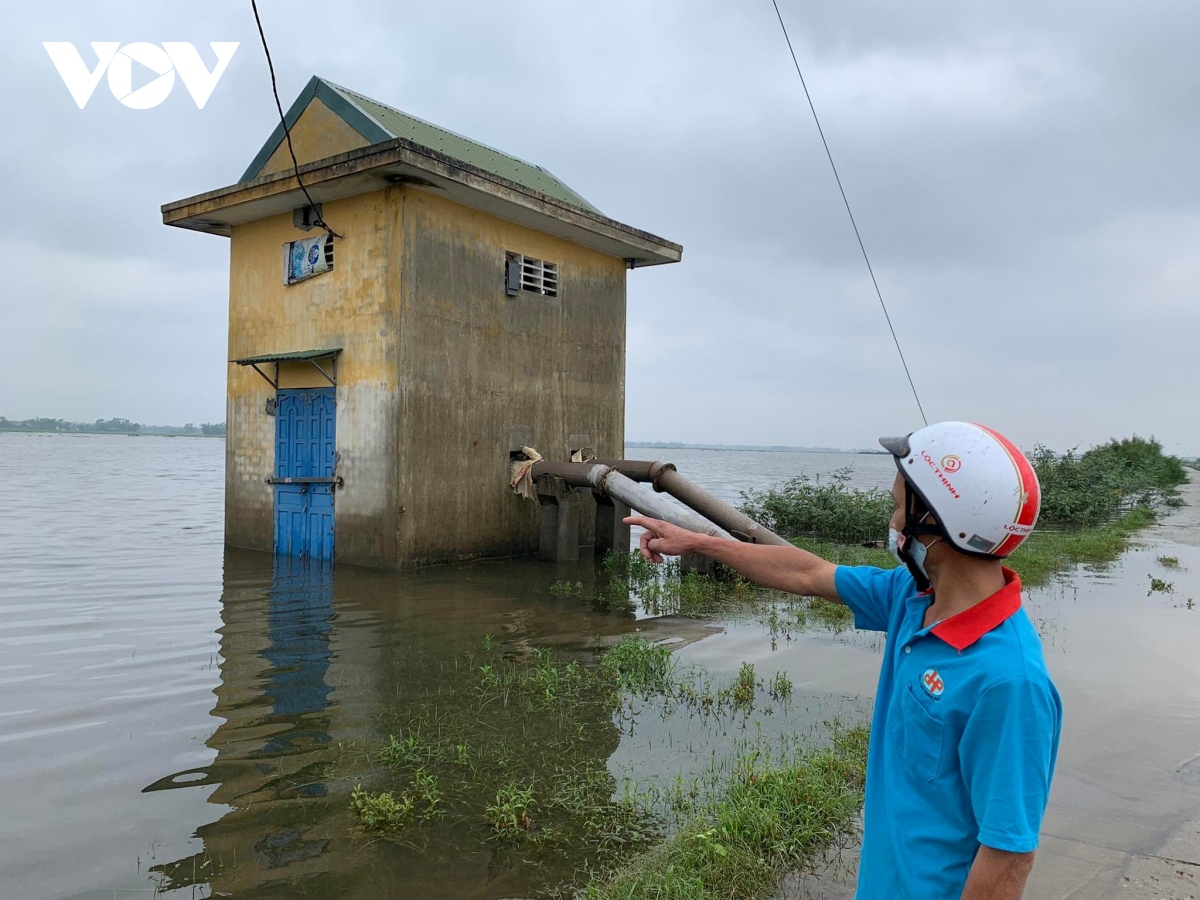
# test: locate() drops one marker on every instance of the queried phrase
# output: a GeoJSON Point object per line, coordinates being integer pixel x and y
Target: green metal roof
{"type": "Point", "coordinates": [378, 122]}
{"type": "Point", "coordinates": [301, 355]}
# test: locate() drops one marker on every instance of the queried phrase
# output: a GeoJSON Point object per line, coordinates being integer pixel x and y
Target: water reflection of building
{"type": "Point", "coordinates": [274, 697]}
{"type": "Point", "coordinates": [311, 661]}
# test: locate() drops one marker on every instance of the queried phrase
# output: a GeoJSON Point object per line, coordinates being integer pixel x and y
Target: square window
{"type": "Point", "coordinates": [524, 273]}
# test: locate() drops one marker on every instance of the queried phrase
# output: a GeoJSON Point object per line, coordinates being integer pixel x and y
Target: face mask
{"type": "Point", "coordinates": [913, 549]}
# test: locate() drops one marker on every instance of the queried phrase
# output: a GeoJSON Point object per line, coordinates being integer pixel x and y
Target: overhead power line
{"type": "Point", "coordinates": [287, 132]}
{"type": "Point", "coordinates": [849, 212]}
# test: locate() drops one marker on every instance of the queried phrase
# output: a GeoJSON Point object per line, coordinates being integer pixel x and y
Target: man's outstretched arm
{"type": "Point", "coordinates": [782, 568]}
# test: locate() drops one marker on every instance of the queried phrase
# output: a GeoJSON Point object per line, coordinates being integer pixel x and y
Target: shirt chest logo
{"type": "Point", "coordinates": [932, 683]}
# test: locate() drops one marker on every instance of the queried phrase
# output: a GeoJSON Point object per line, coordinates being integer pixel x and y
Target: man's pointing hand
{"type": "Point", "coordinates": [662, 538]}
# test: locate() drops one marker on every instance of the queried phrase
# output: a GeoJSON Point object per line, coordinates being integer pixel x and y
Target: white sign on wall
{"type": "Point", "coordinates": [306, 258]}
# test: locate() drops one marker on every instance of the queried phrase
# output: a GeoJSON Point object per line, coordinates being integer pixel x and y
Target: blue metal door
{"type": "Point", "coordinates": [305, 449]}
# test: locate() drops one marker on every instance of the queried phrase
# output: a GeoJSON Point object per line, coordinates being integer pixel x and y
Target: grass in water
{"type": "Point", "coordinates": [639, 666]}
{"type": "Point", "coordinates": [744, 688]}
{"type": "Point", "coordinates": [665, 590]}
{"type": "Point", "coordinates": [566, 588]}
{"type": "Point", "coordinates": [781, 687]}
{"type": "Point", "coordinates": [386, 812]}
{"type": "Point", "coordinates": [1158, 586]}
{"type": "Point", "coordinates": [509, 815]}
{"type": "Point", "coordinates": [774, 817]}
{"type": "Point", "coordinates": [1047, 553]}
{"type": "Point", "coordinates": [382, 812]}
{"type": "Point", "coordinates": [512, 747]}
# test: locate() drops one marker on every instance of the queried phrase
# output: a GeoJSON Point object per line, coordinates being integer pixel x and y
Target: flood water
{"type": "Point", "coordinates": [174, 714]}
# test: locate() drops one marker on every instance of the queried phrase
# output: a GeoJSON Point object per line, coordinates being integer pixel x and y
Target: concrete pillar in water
{"type": "Point", "coordinates": [611, 531]}
{"type": "Point", "coordinates": [696, 562]}
{"type": "Point", "coordinates": [559, 537]}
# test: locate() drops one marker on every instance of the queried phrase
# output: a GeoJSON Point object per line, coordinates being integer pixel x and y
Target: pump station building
{"type": "Point", "coordinates": [470, 304]}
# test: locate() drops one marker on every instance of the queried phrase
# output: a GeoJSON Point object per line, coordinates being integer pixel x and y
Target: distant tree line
{"type": "Point", "coordinates": [109, 426]}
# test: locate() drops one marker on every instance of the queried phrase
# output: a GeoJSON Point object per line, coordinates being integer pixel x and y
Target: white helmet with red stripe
{"type": "Point", "coordinates": [978, 485]}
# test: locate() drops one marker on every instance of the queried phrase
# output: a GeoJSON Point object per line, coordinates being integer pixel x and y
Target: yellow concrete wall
{"type": "Point", "coordinates": [302, 374]}
{"type": "Point", "coordinates": [350, 307]}
{"type": "Point", "coordinates": [476, 363]}
{"type": "Point", "coordinates": [318, 133]}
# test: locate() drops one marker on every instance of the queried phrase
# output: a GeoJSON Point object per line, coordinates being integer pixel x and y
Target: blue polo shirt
{"type": "Point", "coordinates": [963, 740]}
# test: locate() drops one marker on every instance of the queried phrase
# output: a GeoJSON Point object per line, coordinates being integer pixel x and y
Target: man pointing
{"type": "Point", "coordinates": [966, 723]}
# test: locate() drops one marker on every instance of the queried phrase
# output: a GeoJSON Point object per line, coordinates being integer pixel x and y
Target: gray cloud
{"type": "Point", "coordinates": [1023, 174]}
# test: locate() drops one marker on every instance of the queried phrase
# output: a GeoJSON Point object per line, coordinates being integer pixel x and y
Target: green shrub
{"type": "Point", "coordinates": [1078, 490]}
{"type": "Point", "coordinates": [1095, 487]}
{"type": "Point", "coordinates": [1146, 458]}
{"type": "Point", "coordinates": [830, 510]}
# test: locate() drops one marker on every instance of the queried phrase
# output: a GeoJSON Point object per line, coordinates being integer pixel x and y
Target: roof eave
{"type": "Point", "coordinates": [288, 356]}
{"type": "Point", "coordinates": [399, 160]}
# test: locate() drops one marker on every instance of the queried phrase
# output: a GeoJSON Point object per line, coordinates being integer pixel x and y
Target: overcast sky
{"type": "Point", "coordinates": [1025, 176]}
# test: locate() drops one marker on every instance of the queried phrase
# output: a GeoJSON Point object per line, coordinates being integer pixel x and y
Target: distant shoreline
{"type": "Point", "coordinates": [662, 445]}
{"type": "Point", "coordinates": [137, 434]}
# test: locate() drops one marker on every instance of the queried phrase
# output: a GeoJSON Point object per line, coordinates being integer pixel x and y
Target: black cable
{"type": "Point", "coordinates": [838, 178]}
{"type": "Point", "coordinates": [287, 132]}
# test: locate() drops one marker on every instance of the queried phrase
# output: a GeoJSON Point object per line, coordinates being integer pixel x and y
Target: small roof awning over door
{"type": "Point", "coordinates": [309, 356]}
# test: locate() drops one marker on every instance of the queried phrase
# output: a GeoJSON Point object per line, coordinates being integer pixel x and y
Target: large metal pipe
{"type": "Point", "coordinates": [667, 480]}
{"type": "Point", "coordinates": [576, 474]}
{"type": "Point", "coordinates": [695, 497]}
{"type": "Point", "coordinates": [609, 480]}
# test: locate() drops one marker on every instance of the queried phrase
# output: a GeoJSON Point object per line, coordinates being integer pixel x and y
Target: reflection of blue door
{"type": "Point", "coordinates": [304, 459]}
{"type": "Point", "coordinates": [299, 613]}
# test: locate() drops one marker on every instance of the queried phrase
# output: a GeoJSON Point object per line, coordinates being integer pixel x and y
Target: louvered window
{"type": "Point", "coordinates": [524, 273]}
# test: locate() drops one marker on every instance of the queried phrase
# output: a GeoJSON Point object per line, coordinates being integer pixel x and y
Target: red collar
{"type": "Point", "coordinates": [962, 630]}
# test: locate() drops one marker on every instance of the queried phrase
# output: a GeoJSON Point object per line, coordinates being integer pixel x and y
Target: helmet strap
{"type": "Point", "coordinates": [913, 526]}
